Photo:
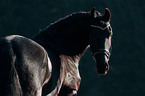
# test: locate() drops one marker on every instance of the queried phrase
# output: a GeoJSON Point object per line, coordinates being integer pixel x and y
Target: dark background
{"type": "Point", "coordinates": [126, 76]}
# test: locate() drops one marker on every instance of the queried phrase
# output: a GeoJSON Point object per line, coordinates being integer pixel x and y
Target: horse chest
{"type": "Point", "coordinates": [71, 72]}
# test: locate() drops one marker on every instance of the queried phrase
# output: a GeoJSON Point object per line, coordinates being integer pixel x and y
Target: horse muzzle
{"type": "Point", "coordinates": [102, 64]}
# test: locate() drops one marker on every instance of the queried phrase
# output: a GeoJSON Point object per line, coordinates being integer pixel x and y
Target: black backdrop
{"type": "Point", "coordinates": [127, 64]}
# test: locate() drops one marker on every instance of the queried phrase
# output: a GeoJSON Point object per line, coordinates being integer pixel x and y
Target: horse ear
{"type": "Point", "coordinates": [93, 13]}
{"type": "Point", "coordinates": [107, 15]}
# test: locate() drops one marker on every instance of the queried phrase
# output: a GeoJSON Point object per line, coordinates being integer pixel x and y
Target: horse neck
{"type": "Point", "coordinates": [68, 37]}
{"type": "Point", "coordinates": [72, 61]}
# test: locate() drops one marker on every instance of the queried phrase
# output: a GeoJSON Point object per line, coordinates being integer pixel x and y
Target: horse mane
{"type": "Point", "coordinates": [65, 20]}
{"type": "Point", "coordinates": [63, 28]}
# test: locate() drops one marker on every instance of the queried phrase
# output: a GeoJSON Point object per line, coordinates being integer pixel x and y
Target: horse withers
{"type": "Point", "coordinates": [48, 64]}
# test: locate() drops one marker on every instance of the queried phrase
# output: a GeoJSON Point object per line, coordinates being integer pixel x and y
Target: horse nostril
{"type": "Point", "coordinates": [107, 67]}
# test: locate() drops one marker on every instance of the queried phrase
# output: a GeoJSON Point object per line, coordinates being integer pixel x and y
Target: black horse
{"type": "Point", "coordinates": [48, 64]}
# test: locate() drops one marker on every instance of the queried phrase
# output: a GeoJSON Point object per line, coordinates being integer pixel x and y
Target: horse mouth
{"type": "Point", "coordinates": [102, 70]}
{"type": "Point", "coordinates": [102, 63]}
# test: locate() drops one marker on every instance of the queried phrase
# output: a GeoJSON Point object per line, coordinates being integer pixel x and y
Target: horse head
{"type": "Point", "coordinates": [100, 39]}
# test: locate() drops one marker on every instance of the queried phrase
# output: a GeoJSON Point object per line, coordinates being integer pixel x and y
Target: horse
{"type": "Point", "coordinates": [48, 64]}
